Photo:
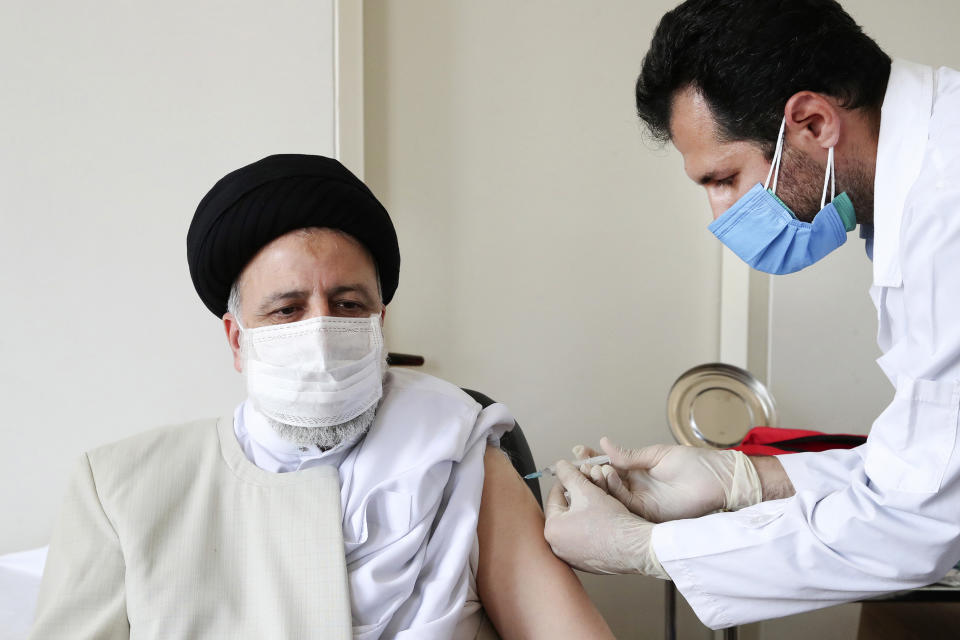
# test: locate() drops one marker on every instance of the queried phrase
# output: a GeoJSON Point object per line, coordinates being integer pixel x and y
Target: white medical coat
{"type": "Point", "coordinates": [884, 516]}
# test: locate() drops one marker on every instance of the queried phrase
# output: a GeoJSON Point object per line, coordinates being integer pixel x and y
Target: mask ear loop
{"type": "Point", "coordinates": [829, 178]}
{"type": "Point", "coordinates": [777, 155]}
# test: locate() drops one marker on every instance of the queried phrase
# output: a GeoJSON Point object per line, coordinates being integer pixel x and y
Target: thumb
{"type": "Point", "coordinates": [556, 503]}
{"type": "Point", "coordinates": [577, 485]}
{"type": "Point", "coordinates": [629, 459]}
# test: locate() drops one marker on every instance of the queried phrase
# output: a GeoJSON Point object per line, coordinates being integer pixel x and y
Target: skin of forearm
{"type": "Point", "coordinates": [774, 481]}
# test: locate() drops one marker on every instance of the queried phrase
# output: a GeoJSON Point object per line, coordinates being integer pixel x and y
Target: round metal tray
{"type": "Point", "coordinates": [715, 405]}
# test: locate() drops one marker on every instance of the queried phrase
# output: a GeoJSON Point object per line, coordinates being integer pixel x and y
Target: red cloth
{"type": "Point", "coordinates": [772, 441]}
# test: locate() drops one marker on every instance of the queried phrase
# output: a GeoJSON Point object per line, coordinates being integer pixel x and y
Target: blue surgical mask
{"type": "Point", "coordinates": [766, 234]}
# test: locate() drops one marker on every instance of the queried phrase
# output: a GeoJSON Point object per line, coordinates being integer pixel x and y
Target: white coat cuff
{"type": "Point", "coordinates": [671, 557]}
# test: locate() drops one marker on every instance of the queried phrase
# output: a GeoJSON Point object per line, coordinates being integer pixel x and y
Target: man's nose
{"type": "Point", "coordinates": [719, 203]}
{"type": "Point", "coordinates": [319, 307]}
{"type": "Point", "coordinates": [718, 206]}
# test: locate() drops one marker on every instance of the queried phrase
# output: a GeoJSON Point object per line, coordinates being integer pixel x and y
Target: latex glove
{"type": "Point", "coordinates": [594, 532]}
{"type": "Point", "coordinates": [671, 482]}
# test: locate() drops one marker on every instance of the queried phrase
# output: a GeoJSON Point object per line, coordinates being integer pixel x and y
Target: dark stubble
{"type": "Point", "coordinates": [800, 186]}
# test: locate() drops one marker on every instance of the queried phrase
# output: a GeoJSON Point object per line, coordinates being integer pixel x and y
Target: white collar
{"type": "Point", "coordinates": [904, 124]}
{"type": "Point", "coordinates": [266, 449]}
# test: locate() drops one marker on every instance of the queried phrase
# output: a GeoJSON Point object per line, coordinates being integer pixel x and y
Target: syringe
{"type": "Point", "coordinates": [576, 463]}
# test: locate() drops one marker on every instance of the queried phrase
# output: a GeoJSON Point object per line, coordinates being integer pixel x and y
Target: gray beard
{"type": "Point", "coordinates": [326, 437]}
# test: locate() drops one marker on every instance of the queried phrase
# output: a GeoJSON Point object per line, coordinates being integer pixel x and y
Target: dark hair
{"type": "Point", "coordinates": [747, 57]}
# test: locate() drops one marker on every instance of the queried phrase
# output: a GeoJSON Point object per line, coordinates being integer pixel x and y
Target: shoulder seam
{"type": "Point", "coordinates": [103, 507]}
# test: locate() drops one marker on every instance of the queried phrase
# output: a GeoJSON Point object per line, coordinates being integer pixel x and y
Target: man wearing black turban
{"type": "Point", "coordinates": [255, 204]}
{"type": "Point", "coordinates": [341, 498]}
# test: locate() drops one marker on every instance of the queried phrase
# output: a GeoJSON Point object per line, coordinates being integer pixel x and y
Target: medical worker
{"type": "Point", "coordinates": [801, 130]}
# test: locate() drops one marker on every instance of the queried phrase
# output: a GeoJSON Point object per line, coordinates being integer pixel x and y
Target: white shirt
{"type": "Point", "coordinates": [266, 449]}
{"type": "Point", "coordinates": [391, 481]}
{"type": "Point", "coordinates": [885, 516]}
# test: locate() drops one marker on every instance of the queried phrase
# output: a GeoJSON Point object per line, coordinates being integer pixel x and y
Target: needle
{"type": "Point", "coordinates": [577, 463]}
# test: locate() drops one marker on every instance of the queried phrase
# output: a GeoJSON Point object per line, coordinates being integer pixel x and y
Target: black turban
{"type": "Point", "coordinates": [250, 207]}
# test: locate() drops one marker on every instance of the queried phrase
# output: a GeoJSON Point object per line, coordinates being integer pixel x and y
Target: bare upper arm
{"type": "Point", "coordinates": [526, 590]}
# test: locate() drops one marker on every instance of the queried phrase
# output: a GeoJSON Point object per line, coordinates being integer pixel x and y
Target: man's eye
{"type": "Point", "coordinates": [285, 311]}
{"type": "Point", "coordinates": [350, 305]}
{"type": "Point", "coordinates": [726, 182]}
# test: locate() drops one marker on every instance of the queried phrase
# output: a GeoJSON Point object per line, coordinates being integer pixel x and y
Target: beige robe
{"type": "Point", "coordinates": [174, 534]}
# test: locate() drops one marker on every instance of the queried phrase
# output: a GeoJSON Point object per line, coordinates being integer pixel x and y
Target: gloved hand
{"type": "Point", "coordinates": [670, 482]}
{"type": "Point", "coordinates": [594, 532]}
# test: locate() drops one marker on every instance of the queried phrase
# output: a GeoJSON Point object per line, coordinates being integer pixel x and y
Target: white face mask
{"type": "Point", "coordinates": [314, 373]}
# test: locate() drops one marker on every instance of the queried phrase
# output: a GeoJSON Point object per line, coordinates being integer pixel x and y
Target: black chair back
{"type": "Point", "coordinates": [516, 448]}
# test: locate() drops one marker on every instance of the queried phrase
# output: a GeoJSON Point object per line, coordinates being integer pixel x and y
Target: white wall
{"type": "Point", "coordinates": [116, 119]}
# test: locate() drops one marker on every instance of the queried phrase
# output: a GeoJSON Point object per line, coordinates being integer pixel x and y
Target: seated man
{"type": "Point", "coordinates": [341, 498]}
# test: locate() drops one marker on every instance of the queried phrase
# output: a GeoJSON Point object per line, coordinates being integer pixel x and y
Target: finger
{"type": "Point", "coordinates": [580, 452]}
{"type": "Point", "coordinates": [556, 502]}
{"type": "Point", "coordinates": [596, 474]}
{"type": "Point", "coordinates": [624, 459]}
{"type": "Point", "coordinates": [617, 489]}
{"type": "Point", "coordinates": [615, 486]}
{"type": "Point", "coordinates": [577, 484]}
{"type": "Point", "coordinates": [632, 500]}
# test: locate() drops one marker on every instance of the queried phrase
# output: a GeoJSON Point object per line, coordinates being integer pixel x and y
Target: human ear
{"type": "Point", "coordinates": [813, 121]}
{"type": "Point", "coordinates": [232, 328]}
